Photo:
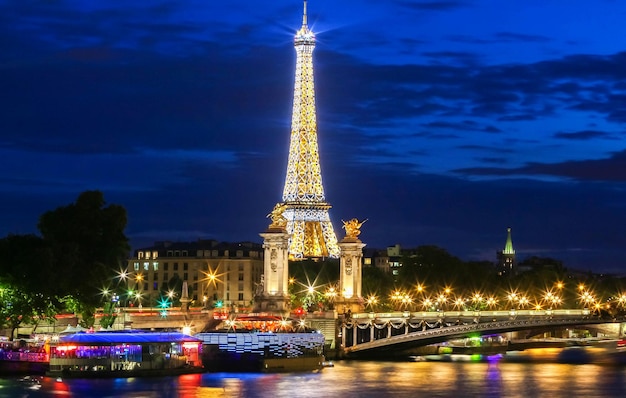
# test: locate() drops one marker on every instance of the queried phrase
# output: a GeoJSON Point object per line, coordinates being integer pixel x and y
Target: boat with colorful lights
{"type": "Point", "coordinates": [262, 343]}
{"type": "Point", "coordinates": [125, 353]}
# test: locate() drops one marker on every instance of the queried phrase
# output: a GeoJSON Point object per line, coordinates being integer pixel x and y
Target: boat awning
{"type": "Point", "coordinates": [107, 338]}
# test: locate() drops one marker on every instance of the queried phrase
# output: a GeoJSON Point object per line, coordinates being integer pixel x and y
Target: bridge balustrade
{"type": "Point", "coordinates": [371, 327]}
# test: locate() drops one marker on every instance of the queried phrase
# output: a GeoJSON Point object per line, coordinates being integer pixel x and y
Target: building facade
{"type": "Point", "coordinates": [217, 273]}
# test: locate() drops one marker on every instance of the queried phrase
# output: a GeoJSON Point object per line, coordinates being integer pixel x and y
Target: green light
{"type": "Point", "coordinates": [219, 304]}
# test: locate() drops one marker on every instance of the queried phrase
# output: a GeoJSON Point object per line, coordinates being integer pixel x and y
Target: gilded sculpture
{"type": "Point", "coordinates": [352, 227]}
{"type": "Point", "coordinates": [278, 219]}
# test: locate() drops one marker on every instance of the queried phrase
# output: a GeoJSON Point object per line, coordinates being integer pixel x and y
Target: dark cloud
{"type": "Point", "coordinates": [609, 169]}
{"type": "Point", "coordinates": [584, 135]}
{"type": "Point", "coordinates": [510, 36]}
{"type": "Point", "coordinates": [465, 125]}
{"type": "Point", "coordinates": [433, 5]}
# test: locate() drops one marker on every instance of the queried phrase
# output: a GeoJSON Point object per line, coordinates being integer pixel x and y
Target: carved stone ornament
{"type": "Point", "coordinates": [349, 266]}
{"type": "Point", "coordinates": [274, 266]}
{"type": "Point", "coordinates": [273, 254]}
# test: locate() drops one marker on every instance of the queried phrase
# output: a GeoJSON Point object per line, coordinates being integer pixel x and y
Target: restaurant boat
{"type": "Point", "coordinates": [126, 353]}
{"type": "Point", "coordinates": [262, 343]}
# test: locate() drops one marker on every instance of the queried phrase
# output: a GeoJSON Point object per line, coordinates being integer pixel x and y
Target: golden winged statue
{"type": "Point", "coordinates": [278, 220]}
{"type": "Point", "coordinates": [352, 227]}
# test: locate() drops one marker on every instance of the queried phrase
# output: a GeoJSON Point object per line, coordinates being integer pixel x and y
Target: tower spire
{"type": "Point", "coordinates": [506, 257]}
{"type": "Point", "coordinates": [305, 206]}
{"type": "Point", "coordinates": [508, 246]}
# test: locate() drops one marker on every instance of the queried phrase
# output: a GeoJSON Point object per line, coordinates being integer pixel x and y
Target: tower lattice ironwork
{"type": "Point", "coordinates": [306, 209]}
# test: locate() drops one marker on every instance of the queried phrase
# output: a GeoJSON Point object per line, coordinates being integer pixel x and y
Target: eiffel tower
{"type": "Point", "coordinates": [306, 209]}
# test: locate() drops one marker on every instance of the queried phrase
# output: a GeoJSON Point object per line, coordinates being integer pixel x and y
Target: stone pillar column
{"type": "Point", "coordinates": [273, 289]}
{"type": "Point", "coordinates": [350, 274]}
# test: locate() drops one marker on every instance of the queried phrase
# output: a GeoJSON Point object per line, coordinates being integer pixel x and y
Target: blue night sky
{"type": "Point", "coordinates": [441, 122]}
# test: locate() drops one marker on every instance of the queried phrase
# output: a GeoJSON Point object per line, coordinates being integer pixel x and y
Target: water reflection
{"type": "Point", "coordinates": [358, 379]}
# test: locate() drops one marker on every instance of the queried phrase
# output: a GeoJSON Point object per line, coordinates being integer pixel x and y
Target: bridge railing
{"type": "Point", "coordinates": [575, 312]}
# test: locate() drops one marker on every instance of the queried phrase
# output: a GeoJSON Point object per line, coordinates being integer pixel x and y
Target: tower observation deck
{"type": "Point", "coordinates": [306, 209]}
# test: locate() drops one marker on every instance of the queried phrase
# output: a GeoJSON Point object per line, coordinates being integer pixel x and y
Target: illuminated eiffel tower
{"type": "Point", "coordinates": [306, 210]}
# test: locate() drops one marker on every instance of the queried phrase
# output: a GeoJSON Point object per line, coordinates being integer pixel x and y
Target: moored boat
{"type": "Point", "coordinates": [262, 343]}
{"type": "Point", "coordinates": [124, 354]}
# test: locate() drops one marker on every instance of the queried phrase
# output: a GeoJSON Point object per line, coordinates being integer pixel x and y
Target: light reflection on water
{"type": "Point", "coordinates": [357, 379]}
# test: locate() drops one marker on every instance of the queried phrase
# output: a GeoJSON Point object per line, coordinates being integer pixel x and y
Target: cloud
{"type": "Point", "coordinates": [611, 169]}
{"type": "Point", "coordinates": [465, 125]}
{"type": "Point", "coordinates": [510, 36]}
{"type": "Point", "coordinates": [433, 5]}
{"type": "Point", "coordinates": [584, 135]}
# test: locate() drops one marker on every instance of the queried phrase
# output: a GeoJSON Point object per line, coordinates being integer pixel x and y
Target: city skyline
{"type": "Point", "coordinates": [441, 122]}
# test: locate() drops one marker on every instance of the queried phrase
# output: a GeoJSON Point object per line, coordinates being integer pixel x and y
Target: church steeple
{"type": "Point", "coordinates": [506, 257]}
{"type": "Point", "coordinates": [508, 247]}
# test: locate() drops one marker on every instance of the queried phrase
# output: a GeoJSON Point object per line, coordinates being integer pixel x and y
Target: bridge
{"type": "Point", "coordinates": [383, 334]}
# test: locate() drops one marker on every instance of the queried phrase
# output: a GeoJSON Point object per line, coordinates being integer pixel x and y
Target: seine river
{"type": "Point", "coordinates": [356, 379]}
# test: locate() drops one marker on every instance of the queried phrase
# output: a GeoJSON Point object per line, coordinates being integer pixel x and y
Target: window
{"type": "Point", "coordinates": [140, 255]}
{"type": "Point", "coordinates": [185, 276]}
{"type": "Point", "coordinates": [155, 266]}
{"type": "Point", "coordinates": [240, 287]}
{"type": "Point", "coordinates": [185, 266]}
{"type": "Point", "coordinates": [185, 253]}
{"type": "Point", "coordinates": [145, 286]}
{"type": "Point", "coordinates": [175, 266]}
{"type": "Point", "coordinates": [136, 266]}
{"type": "Point", "coordinates": [146, 266]}
{"type": "Point", "coordinates": [240, 276]}
{"type": "Point", "coordinates": [147, 255]}
{"type": "Point", "coordinates": [155, 254]}
{"type": "Point", "coordinates": [166, 277]}
{"type": "Point", "coordinates": [240, 266]}
{"type": "Point", "coordinates": [177, 253]}
{"type": "Point", "coordinates": [239, 253]}
{"type": "Point", "coordinates": [166, 267]}
{"type": "Point", "coordinates": [155, 286]}
{"type": "Point", "coordinates": [240, 296]}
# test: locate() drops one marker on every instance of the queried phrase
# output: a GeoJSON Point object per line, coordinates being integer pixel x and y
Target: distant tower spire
{"type": "Point", "coordinates": [508, 247]}
{"type": "Point", "coordinates": [506, 258]}
{"type": "Point", "coordinates": [305, 206]}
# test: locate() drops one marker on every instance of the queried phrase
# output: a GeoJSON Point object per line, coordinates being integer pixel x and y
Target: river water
{"type": "Point", "coordinates": [355, 379]}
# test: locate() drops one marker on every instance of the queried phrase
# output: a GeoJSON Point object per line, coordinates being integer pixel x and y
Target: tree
{"type": "Point", "coordinates": [19, 307]}
{"type": "Point", "coordinates": [88, 244]}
